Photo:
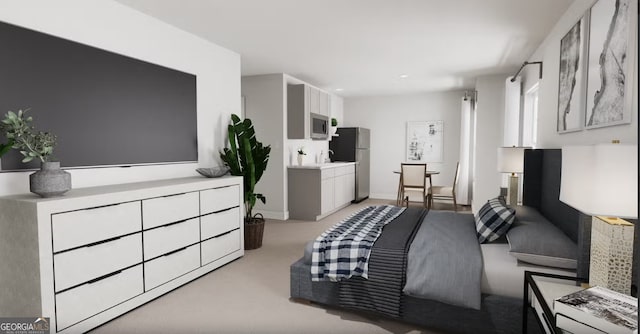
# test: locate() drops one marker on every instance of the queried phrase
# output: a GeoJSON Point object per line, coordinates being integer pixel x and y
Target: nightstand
{"type": "Point", "coordinates": [546, 288]}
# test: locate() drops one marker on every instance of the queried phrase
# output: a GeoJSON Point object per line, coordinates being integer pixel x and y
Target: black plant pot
{"type": "Point", "coordinates": [253, 232]}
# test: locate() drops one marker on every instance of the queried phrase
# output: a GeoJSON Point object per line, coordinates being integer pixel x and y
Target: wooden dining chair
{"type": "Point", "coordinates": [413, 183]}
{"type": "Point", "coordinates": [445, 192]}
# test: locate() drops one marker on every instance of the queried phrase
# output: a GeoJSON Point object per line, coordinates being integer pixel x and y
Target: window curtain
{"type": "Point", "coordinates": [464, 189]}
{"type": "Point", "coordinates": [512, 94]}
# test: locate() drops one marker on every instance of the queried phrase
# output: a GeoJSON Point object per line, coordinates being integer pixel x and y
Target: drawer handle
{"type": "Point", "coordinates": [227, 209]}
{"type": "Point", "coordinates": [174, 223]}
{"type": "Point", "coordinates": [223, 234]}
{"type": "Point", "coordinates": [102, 206]}
{"type": "Point", "coordinates": [229, 186]}
{"type": "Point", "coordinates": [103, 277]}
{"type": "Point", "coordinates": [174, 195]}
{"type": "Point", "coordinates": [175, 251]}
{"type": "Point", "coordinates": [102, 242]}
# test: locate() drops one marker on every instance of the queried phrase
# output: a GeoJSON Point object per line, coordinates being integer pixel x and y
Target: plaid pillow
{"type": "Point", "coordinates": [493, 220]}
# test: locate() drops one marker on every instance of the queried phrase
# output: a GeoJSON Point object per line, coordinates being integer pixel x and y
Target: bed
{"type": "Point", "coordinates": [500, 299]}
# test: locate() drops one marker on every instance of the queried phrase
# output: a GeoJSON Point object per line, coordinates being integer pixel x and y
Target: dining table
{"type": "Point", "coordinates": [427, 175]}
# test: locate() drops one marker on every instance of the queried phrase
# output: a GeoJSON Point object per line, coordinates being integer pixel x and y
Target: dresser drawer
{"type": "Point", "coordinates": [169, 209]}
{"type": "Point", "coordinates": [78, 228]}
{"type": "Point", "coordinates": [89, 299]}
{"type": "Point", "coordinates": [217, 199]}
{"type": "Point", "coordinates": [168, 238]}
{"type": "Point", "coordinates": [220, 222]}
{"type": "Point", "coordinates": [83, 264]}
{"type": "Point", "coordinates": [170, 266]}
{"type": "Point", "coordinates": [220, 246]}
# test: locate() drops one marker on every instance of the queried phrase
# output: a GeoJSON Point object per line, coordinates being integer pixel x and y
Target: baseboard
{"type": "Point", "coordinates": [391, 197]}
{"type": "Point", "coordinates": [277, 215]}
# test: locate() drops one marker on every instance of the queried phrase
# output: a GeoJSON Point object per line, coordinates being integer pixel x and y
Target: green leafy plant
{"type": "Point", "coordinates": [301, 151]}
{"type": "Point", "coordinates": [22, 136]}
{"type": "Point", "coordinates": [246, 157]}
{"type": "Point", "coordinates": [334, 122]}
{"type": "Point", "coordinates": [4, 148]}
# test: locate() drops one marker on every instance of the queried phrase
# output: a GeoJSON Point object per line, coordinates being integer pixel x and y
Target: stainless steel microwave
{"type": "Point", "coordinates": [319, 126]}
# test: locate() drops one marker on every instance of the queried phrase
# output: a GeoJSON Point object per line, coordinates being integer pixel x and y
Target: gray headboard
{"type": "Point", "coordinates": [541, 190]}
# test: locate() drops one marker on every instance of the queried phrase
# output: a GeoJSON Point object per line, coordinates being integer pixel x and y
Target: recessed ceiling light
{"type": "Point", "coordinates": [339, 89]}
{"type": "Point", "coordinates": [403, 76]}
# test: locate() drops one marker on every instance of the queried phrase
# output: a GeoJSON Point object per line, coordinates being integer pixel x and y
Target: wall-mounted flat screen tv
{"type": "Point", "coordinates": [106, 109]}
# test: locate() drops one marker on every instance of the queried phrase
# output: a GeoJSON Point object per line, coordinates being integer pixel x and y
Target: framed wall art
{"type": "Point", "coordinates": [573, 79]}
{"type": "Point", "coordinates": [424, 141]}
{"type": "Point", "coordinates": [611, 60]}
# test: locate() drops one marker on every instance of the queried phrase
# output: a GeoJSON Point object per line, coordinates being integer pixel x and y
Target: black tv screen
{"type": "Point", "coordinates": [105, 108]}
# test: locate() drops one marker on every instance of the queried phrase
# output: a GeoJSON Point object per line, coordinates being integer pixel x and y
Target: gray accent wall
{"type": "Point", "coordinates": [110, 26]}
{"type": "Point", "coordinates": [265, 97]}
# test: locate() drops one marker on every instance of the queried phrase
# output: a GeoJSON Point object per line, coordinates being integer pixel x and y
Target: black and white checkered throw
{"type": "Point", "coordinates": [343, 250]}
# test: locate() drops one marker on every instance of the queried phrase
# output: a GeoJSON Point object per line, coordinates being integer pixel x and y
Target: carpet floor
{"type": "Point", "coordinates": [251, 294]}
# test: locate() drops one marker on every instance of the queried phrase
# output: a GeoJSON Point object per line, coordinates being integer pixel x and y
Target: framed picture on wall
{"type": "Point", "coordinates": [424, 141]}
{"type": "Point", "coordinates": [611, 61]}
{"type": "Point", "coordinates": [573, 77]}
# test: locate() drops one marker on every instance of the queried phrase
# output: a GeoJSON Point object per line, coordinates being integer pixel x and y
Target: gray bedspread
{"type": "Point", "coordinates": [382, 291]}
{"type": "Point", "coordinates": [445, 261]}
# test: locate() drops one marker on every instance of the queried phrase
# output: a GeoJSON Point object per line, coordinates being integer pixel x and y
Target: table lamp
{"type": "Point", "coordinates": [511, 160]}
{"type": "Point", "coordinates": [602, 181]}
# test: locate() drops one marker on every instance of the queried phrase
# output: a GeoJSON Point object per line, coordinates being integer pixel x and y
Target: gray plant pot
{"type": "Point", "coordinates": [50, 180]}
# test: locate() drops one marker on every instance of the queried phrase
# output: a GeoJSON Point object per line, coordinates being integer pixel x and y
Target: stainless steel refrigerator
{"type": "Point", "coordinates": [352, 144]}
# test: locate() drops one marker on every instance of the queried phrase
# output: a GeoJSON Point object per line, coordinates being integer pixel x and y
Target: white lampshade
{"type": "Point", "coordinates": [511, 159]}
{"type": "Point", "coordinates": [601, 180]}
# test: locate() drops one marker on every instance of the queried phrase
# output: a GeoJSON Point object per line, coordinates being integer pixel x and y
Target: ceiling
{"type": "Point", "coordinates": [364, 46]}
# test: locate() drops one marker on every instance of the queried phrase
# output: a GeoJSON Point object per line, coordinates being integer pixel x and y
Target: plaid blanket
{"type": "Point", "coordinates": [343, 250]}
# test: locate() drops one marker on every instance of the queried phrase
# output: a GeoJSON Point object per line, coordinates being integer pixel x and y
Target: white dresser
{"type": "Point", "coordinates": [89, 256]}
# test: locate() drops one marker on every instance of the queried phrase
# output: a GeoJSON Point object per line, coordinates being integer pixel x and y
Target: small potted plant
{"type": "Point", "coordinates": [334, 126]}
{"type": "Point", "coordinates": [50, 180]}
{"type": "Point", "coordinates": [301, 155]}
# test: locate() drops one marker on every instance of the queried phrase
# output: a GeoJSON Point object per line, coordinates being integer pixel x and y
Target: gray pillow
{"type": "Point", "coordinates": [534, 239]}
{"type": "Point", "coordinates": [526, 215]}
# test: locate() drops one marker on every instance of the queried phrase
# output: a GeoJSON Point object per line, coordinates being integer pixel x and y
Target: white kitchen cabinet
{"type": "Point", "coordinates": [344, 185]}
{"type": "Point", "coordinates": [99, 252]}
{"type": "Point", "coordinates": [314, 99]}
{"type": "Point", "coordinates": [324, 103]}
{"type": "Point", "coordinates": [318, 191]}
{"type": "Point", "coordinates": [327, 198]}
{"type": "Point", "coordinates": [318, 101]}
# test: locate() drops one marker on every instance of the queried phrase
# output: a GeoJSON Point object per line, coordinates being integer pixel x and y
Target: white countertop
{"type": "Point", "coordinates": [323, 165]}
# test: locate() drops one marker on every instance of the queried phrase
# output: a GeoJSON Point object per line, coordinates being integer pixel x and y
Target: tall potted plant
{"type": "Point", "coordinates": [247, 157]}
{"type": "Point", "coordinates": [50, 180]}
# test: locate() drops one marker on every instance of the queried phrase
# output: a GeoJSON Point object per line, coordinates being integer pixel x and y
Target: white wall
{"type": "Point", "coordinates": [387, 117]}
{"type": "Point", "coordinates": [488, 137]}
{"type": "Point", "coordinates": [549, 53]}
{"type": "Point", "coordinates": [112, 26]}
